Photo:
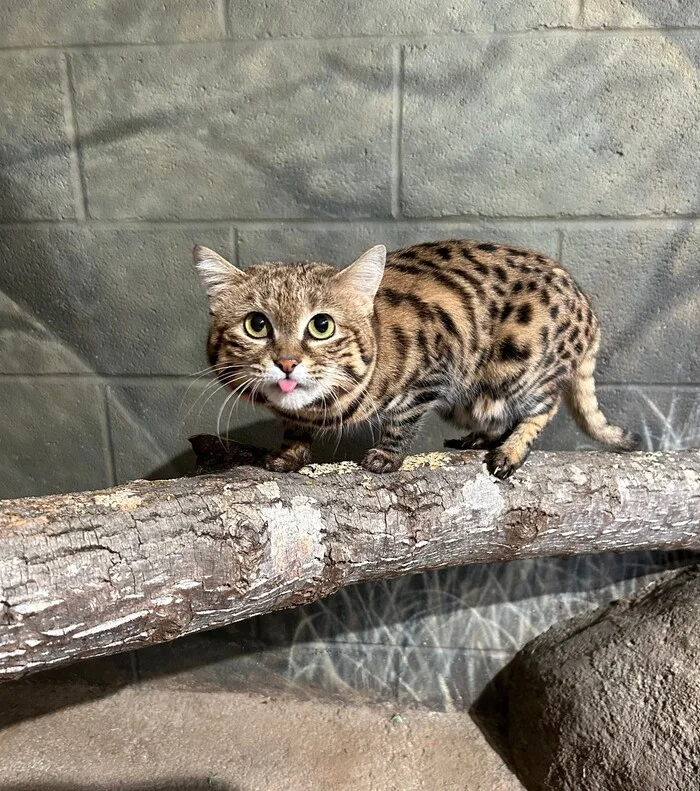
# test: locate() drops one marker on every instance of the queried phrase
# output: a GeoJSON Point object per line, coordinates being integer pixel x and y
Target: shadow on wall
{"type": "Point", "coordinates": [667, 421]}
{"type": "Point", "coordinates": [267, 434]}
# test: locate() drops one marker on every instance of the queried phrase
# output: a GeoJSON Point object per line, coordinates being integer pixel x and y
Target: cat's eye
{"type": "Point", "coordinates": [257, 325]}
{"type": "Point", "coordinates": [321, 326]}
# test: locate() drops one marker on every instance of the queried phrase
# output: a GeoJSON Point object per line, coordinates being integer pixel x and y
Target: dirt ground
{"type": "Point", "coordinates": [144, 739]}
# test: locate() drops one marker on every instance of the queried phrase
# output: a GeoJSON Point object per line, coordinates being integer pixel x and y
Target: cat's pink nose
{"type": "Point", "coordinates": [287, 364]}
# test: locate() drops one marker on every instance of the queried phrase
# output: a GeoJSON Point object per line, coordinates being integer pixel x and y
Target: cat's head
{"type": "Point", "coordinates": [297, 334]}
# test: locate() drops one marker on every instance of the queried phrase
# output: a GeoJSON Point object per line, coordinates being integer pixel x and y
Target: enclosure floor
{"type": "Point", "coordinates": [142, 739]}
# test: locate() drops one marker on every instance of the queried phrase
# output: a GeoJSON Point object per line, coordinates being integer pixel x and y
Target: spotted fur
{"type": "Point", "coordinates": [488, 335]}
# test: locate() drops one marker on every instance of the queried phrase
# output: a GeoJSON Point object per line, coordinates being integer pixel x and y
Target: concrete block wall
{"type": "Point", "coordinates": [130, 131]}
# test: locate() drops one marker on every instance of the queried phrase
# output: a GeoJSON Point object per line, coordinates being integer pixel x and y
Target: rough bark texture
{"type": "Point", "coordinates": [611, 701]}
{"type": "Point", "coordinates": [96, 573]}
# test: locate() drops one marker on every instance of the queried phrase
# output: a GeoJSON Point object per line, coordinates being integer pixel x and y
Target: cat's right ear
{"type": "Point", "coordinates": [364, 275]}
{"type": "Point", "coordinates": [215, 272]}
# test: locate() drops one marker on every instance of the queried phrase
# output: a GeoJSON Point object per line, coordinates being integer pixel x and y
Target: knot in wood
{"type": "Point", "coordinates": [523, 525]}
{"type": "Point", "coordinates": [7, 617]}
{"type": "Point", "coordinates": [168, 627]}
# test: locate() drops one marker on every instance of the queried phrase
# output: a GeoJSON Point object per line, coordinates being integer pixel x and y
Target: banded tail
{"type": "Point", "coordinates": [581, 399]}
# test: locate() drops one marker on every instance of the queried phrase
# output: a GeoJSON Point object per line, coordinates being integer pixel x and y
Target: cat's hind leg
{"type": "Point", "coordinates": [510, 454]}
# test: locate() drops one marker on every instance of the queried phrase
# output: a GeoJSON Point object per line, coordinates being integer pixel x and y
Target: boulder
{"type": "Point", "coordinates": [611, 701]}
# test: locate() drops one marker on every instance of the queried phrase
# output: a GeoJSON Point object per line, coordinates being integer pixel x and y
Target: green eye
{"type": "Point", "coordinates": [257, 325]}
{"type": "Point", "coordinates": [321, 326]}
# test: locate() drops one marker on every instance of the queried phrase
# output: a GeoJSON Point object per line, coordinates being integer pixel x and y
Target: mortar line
{"type": "Point", "coordinates": [104, 380]}
{"type": "Point", "coordinates": [403, 38]}
{"type": "Point", "coordinates": [110, 461]}
{"type": "Point", "coordinates": [397, 130]}
{"type": "Point", "coordinates": [560, 245]}
{"type": "Point", "coordinates": [186, 379]}
{"type": "Point", "coordinates": [581, 11]}
{"type": "Point", "coordinates": [75, 154]}
{"type": "Point", "coordinates": [274, 222]}
{"type": "Point", "coordinates": [234, 246]}
{"type": "Point", "coordinates": [222, 8]}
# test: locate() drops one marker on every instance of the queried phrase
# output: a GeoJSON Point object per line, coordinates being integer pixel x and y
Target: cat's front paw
{"type": "Point", "coordinates": [377, 460]}
{"type": "Point", "coordinates": [288, 460]}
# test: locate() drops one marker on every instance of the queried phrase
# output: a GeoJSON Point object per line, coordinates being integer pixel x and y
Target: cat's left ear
{"type": "Point", "coordinates": [215, 272]}
{"type": "Point", "coordinates": [364, 275]}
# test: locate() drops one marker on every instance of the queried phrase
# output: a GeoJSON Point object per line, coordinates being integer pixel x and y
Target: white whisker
{"type": "Point", "coordinates": [219, 369]}
{"type": "Point", "coordinates": [222, 385]}
{"type": "Point", "coordinates": [197, 376]}
{"type": "Point", "coordinates": [231, 395]}
{"type": "Point", "coordinates": [209, 391]}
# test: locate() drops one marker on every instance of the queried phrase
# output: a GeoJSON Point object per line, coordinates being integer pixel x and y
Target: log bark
{"type": "Point", "coordinates": [82, 575]}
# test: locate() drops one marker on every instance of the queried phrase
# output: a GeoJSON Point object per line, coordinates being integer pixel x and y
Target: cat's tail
{"type": "Point", "coordinates": [581, 399]}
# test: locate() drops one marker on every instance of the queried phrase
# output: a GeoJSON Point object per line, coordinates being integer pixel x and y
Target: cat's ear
{"type": "Point", "coordinates": [215, 272]}
{"type": "Point", "coordinates": [364, 275]}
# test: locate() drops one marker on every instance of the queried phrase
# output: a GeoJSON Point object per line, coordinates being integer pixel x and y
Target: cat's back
{"type": "Point", "coordinates": [470, 279]}
{"type": "Point", "coordinates": [483, 266]}
{"type": "Point", "coordinates": [480, 274]}
{"type": "Point", "coordinates": [474, 296]}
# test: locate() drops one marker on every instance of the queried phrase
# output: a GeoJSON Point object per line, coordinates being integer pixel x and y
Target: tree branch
{"type": "Point", "coordinates": [101, 572]}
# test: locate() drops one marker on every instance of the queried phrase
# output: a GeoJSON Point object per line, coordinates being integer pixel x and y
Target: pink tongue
{"type": "Point", "coordinates": [287, 385]}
